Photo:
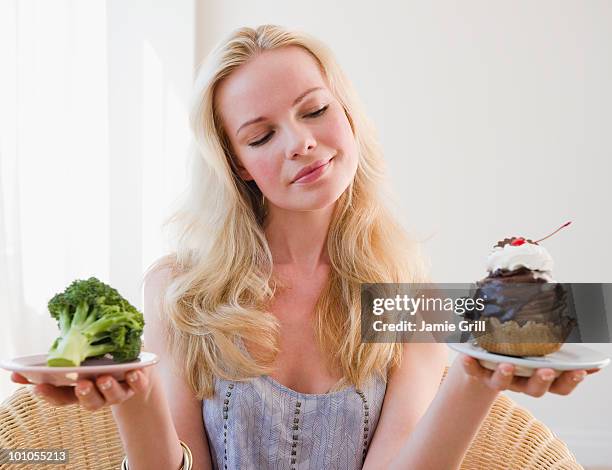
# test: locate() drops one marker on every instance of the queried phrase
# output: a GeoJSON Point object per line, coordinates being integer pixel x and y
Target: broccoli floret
{"type": "Point", "coordinates": [94, 320]}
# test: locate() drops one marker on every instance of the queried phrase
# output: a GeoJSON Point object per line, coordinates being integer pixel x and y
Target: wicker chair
{"type": "Point", "coordinates": [510, 438]}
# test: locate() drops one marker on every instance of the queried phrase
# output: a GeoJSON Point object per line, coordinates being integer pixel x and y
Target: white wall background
{"type": "Point", "coordinates": [93, 140]}
{"type": "Point", "coordinates": [495, 118]}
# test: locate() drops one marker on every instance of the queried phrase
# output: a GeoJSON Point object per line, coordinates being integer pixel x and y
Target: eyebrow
{"type": "Point", "coordinates": [295, 103]}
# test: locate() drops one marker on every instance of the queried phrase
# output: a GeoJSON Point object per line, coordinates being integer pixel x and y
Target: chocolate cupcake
{"type": "Point", "coordinates": [525, 311]}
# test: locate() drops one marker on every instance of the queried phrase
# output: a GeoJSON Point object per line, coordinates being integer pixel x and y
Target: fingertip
{"type": "Point", "coordinates": [132, 377]}
{"type": "Point", "coordinates": [18, 378]}
{"type": "Point", "coordinates": [105, 381]}
{"type": "Point", "coordinates": [469, 366]}
{"type": "Point", "coordinates": [84, 389]}
{"type": "Point", "coordinates": [579, 375]}
{"type": "Point", "coordinates": [144, 383]}
{"type": "Point", "coordinates": [506, 369]}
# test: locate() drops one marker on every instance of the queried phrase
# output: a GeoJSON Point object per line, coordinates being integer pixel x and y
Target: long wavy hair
{"type": "Point", "coordinates": [222, 282]}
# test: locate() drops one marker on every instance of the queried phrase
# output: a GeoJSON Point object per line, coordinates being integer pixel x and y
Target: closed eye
{"type": "Point", "coordinates": [261, 141]}
{"type": "Point", "coordinates": [319, 112]}
{"type": "Point", "coordinates": [267, 137]}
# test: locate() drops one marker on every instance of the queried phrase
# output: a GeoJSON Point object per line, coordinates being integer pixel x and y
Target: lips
{"type": "Point", "coordinates": [310, 168]}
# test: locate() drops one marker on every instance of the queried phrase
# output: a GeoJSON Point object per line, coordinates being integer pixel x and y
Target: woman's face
{"type": "Point", "coordinates": [281, 119]}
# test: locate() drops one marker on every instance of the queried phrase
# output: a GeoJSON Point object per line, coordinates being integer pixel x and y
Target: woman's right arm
{"type": "Point", "coordinates": [152, 424]}
{"type": "Point", "coordinates": [153, 412]}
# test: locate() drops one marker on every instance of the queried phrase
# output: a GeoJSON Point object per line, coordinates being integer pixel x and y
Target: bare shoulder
{"type": "Point", "coordinates": [431, 356]}
{"type": "Point", "coordinates": [419, 373]}
{"type": "Point", "coordinates": [156, 281]}
{"type": "Point", "coordinates": [159, 273]}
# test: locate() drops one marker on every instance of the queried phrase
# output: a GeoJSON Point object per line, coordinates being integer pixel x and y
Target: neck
{"type": "Point", "coordinates": [298, 238]}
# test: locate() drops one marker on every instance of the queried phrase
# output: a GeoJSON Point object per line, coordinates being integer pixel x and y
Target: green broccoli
{"type": "Point", "coordinates": [94, 320]}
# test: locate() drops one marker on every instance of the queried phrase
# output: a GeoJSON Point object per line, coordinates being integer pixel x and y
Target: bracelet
{"type": "Point", "coordinates": [187, 458]}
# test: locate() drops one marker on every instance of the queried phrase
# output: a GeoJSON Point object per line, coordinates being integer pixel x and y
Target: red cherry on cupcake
{"type": "Point", "coordinates": [518, 241]}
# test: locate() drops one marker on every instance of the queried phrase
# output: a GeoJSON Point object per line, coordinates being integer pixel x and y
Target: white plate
{"type": "Point", "coordinates": [34, 368]}
{"type": "Point", "coordinates": [570, 357]}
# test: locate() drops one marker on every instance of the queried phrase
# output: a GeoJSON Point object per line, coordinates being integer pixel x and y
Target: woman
{"type": "Point", "coordinates": [257, 315]}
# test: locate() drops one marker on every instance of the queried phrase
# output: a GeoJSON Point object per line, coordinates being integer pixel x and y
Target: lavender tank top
{"type": "Point", "coordinates": [261, 424]}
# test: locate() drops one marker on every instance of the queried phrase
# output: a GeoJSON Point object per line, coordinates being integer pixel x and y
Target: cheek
{"type": "Point", "coordinates": [264, 171]}
{"type": "Point", "coordinates": [340, 134]}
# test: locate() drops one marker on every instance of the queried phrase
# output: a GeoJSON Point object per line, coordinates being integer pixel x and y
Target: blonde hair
{"type": "Point", "coordinates": [222, 281]}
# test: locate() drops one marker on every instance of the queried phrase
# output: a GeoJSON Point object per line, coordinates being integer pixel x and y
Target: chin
{"type": "Point", "coordinates": [320, 199]}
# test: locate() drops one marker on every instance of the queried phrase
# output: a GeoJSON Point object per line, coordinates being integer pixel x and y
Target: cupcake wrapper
{"type": "Point", "coordinates": [531, 339]}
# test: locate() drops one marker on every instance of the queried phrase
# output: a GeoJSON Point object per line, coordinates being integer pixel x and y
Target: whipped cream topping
{"type": "Point", "coordinates": [528, 255]}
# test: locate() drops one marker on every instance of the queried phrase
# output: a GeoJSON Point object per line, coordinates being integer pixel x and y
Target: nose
{"type": "Point", "coordinates": [301, 141]}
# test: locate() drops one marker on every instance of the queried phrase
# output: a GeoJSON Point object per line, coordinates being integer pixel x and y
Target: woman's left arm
{"type": "Point", "coordinates": [410, 390]}
{"type": "Point", "coordinates": [425, 425]}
